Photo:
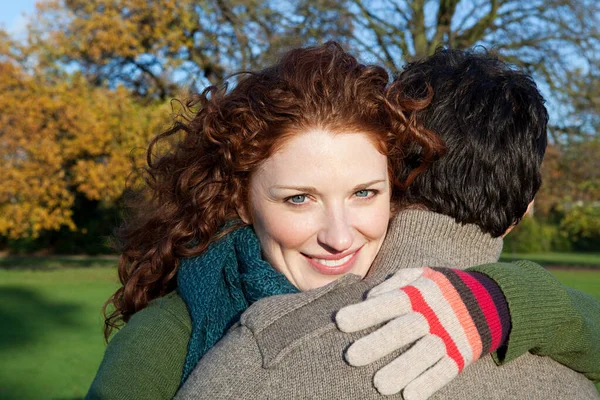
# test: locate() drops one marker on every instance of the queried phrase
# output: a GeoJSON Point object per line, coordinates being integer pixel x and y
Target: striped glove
{"type": "Point", "coordinates": [454, 317]}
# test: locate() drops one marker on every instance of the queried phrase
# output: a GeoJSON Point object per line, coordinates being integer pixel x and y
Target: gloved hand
{"type": "Point", "coordinates": [453, 316]}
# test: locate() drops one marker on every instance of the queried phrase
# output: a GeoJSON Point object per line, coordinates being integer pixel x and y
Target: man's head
{"type": "Point", "coordinates": [493, 121]}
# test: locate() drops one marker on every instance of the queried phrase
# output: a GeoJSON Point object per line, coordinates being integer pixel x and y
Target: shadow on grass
{"type": "Point", "coordinates": [56, 262]}
{"type": "Point", "coordinates": [30, 324]}
{"type": "Point", "coordinates": [27, 316]}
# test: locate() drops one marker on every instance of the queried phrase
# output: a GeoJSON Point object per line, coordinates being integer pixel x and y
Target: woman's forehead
{"type": "Point", "coordinates": [319, 156]}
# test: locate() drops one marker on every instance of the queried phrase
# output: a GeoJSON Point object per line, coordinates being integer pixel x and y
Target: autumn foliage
{"type": "Point", "coordinates": [61, 136]}
{"type": "Point", "coordinates": [92, 82]}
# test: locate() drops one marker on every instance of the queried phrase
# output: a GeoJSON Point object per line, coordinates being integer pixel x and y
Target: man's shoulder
{"type": "Point", "coordinates": [529, 376]}
{"type": "Point", "coordinates": [279, 324]}
{"type": "Point", "coordinates": [321, 301]}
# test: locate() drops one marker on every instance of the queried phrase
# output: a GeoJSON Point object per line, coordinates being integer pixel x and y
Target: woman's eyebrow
{"type": "Point", "coordinates": [310, 189]}
{"type": "Point", "coordinates": [306, 189]}
{"type": "Point", "coordinates": [367, 184]}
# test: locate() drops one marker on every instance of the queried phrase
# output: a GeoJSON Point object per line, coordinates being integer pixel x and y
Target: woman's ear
{"type": "Point", "coordinates": [244, 215]}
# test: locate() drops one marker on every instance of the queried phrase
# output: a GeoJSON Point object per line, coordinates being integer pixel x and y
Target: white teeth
{"type": "Point", "coordinates": [334, 263]}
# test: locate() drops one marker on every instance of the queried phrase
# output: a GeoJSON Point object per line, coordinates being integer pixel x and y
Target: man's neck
{"type": "Point", "coordinates": [419, 238]}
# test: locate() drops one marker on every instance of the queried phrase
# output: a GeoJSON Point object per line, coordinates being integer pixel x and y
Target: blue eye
{"type": "Point", "coordinates": [297, 199]}
{"type": "Point", "coordinates": [363, 193]}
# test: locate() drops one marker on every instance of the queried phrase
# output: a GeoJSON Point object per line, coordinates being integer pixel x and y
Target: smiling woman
{"type": "Point", "coordinates": [304, 152]}
{"type": "Point", "coordinates": [317, 123]}
{"type": "Point", "coordinates": [320, 206]}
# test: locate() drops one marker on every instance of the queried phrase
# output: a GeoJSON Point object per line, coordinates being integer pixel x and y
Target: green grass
{"type": "Point", "coordinates": [585, 260]}
{"type": "Point", "coordinates": [585, 280]}
{"type": "Point", "coordinates": [56, 262]}
{"type": "Point", "coordinates": [51, 342]}
{"type": "Point", "coordinates": [51, 338]}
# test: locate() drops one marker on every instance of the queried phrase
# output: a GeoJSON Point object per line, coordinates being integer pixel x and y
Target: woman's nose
{"type": "Point", "coordinates": [336, 233]}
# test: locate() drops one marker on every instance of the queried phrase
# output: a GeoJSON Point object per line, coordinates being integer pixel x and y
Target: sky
{"type": "Point", "coordinates": [13, 19]}
{"type": "Point", "coordinates": [11, 14]}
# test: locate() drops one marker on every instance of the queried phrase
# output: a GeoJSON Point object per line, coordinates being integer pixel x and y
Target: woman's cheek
{"type": "Point", "coordinates": [373, 221]}
{"type": "Point", "coordinates": [290, 228]}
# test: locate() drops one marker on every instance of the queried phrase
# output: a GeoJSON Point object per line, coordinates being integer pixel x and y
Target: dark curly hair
{"type": "Point", "coordinates": [202, 183]}
{"type": "Point", "coordinates": [493, 121]}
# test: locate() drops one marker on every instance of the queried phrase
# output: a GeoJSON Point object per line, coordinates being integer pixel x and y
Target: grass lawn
{"type": "Point", "coordinates": [584, 260]}
{"type": "Point", "coordinates": [51, 342]}
{"type": "Point", "coordinates": [56, 262]}
{"type": "Point", "coordinates": [585, 280]}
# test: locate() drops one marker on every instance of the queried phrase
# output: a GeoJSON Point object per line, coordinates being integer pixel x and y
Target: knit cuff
{"type": "Point", "coordinates": [535, 302]}
{"type": "Point", "coordinates": [499, 304]}
{"type": "Point", "coordinates": [485, 304]}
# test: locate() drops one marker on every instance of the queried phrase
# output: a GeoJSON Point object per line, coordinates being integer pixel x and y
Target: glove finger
{"type": "Point", "coordinates": [373, 311]}
{"type": "Point", "coordinates": [440, 308]}
{"type": "Point", "coordinates": [431, 380]}
{"type": "Point", "coordinates": [409, 365]}
{"type": "Point", "coordinates": [398, 280]}
{"type": "Point", "coordinates": [394, 335]}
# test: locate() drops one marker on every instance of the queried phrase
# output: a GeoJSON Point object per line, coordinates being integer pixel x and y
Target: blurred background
{"type": "Point", "coordinates": [85, 84]}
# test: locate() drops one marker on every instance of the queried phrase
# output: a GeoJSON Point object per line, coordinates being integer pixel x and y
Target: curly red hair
{"type": "Point", "coordinates": [202, 183]}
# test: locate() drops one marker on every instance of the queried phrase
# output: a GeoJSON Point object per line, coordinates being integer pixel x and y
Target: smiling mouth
{"type": "Point", "coordinates": [334, 263]}
{"type": "Point", "coordinates": [333, 267]}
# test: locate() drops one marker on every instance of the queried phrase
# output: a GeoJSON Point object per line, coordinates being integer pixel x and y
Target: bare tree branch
{"type": "Point", "coordinates": [446, 11]}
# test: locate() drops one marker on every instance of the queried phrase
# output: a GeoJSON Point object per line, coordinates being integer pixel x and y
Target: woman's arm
{"type": "Point", "coordinates": [145, 359]}
{"type": "Point", "coordinates": [548, 319]}
{"type": "Point", "coordinates": [544, 317]}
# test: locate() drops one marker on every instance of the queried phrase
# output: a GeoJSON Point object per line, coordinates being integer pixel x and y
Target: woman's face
{"type": "Point", "coordinates": [320, 206]}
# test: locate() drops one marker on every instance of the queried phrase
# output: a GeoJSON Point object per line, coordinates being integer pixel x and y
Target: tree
{"type": "Point", "coordinates": [34, 196]}
{"type": "Point", "coordinates": [94, 79]}
{"type": "Point", "coordinates": [582, 223]}
{"type": "Point", "coordinates": [60, 136]}
{"type": "Point", "coordinates": [570, 191]}
{"type": "Point", "coordinates": [571, 176]}
{"type": "Point", "coordinates": [558, 41]}
{"type": "Point", "coordinates": [157, 47]}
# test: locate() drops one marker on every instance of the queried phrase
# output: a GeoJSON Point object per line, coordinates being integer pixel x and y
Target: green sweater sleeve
{"type": "Point", "coordinates": [145, 359]}
{"type": "Point", "coordinates": [548, 319]}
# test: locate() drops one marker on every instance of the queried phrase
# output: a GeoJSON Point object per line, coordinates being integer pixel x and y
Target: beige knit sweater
{"type": "Point", "coordinates": [287, 347]}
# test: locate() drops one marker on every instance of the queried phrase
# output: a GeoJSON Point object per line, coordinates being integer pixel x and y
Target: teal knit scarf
{"type": "Point", "coordinates": [220, 284]}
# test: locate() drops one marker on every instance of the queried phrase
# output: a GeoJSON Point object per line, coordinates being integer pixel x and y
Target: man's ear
{"type": "Point", "coordinates": [529, 208]}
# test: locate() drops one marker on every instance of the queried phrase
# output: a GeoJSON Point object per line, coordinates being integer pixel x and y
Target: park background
{"type": "Point", "coordinates": [85, 84]}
